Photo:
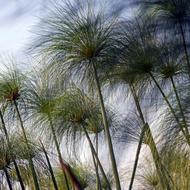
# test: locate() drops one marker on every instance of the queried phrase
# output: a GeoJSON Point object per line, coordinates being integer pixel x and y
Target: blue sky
{"type": "Point", "coordinates": [17, 18]}
{"type": "Point", "coordinates": [15, 27]}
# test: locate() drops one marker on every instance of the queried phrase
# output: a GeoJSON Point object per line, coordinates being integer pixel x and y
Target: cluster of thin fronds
{"type": "Point", "coordinates": [88, 55]}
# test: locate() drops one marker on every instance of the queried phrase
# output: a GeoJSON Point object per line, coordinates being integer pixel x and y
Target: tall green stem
{"type": "Point", "coordinates": [170, 107]}
{"type": "Point", "coordinates": [19, 175]}
{"type": "Point", "coordinates": [8, 178]}
{"type": "Point", "coordinates": [50, 168]}
{"type": "Point", "coordinates": [161, 171]}
{"type": "Point", "coordinates": [34, 175]}
{"type": "Point", "coordinates": [9, 146]}
{"type": "Point", "coordinates": [58, 151]}
{"type": "Point", "coordinates": [146, 130]}
{"type": "Point", "coordinates": [98, 184]}
{"type": "Point", "coordinates": [98, 181]}
{"type": "Point", "coordinates": [97, 159]}
{"type": "Point", "coordinates": [96, 169]}
{"type": "Point", "coordinates": [183, 39]}
{"type": "Point", "coordinates": [184, 45]}
{"type": "Point", "coordinates": [65, 167]}
{"type": "Point", "coordinates": [179, 104]}
{"type": "Point", "coordinates": [141, 136]}
{"type": "Point", "coordinates": [137, 156]}
{"type": "Point", "coordinates": [106, 128]}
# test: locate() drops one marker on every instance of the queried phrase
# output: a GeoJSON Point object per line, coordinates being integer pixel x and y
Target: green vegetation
{"type": "Point", "coordinates": [50, 116]}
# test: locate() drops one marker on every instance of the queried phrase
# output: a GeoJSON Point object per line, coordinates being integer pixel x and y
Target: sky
{"type": "Point", "coordinates": [16, 22]}
{"type": "Point", "coordinates": [17, 18]}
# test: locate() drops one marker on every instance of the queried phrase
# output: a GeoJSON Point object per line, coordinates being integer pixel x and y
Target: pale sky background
{"type": "Point", "coordinates": [17, 18]}
{"type": "Point", "coordinates": [16, 21]}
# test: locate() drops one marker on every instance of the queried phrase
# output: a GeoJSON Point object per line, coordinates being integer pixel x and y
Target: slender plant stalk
{"type": "Point", "coordinates": [107, 132]}
{"type": "Point", "coordinates": [161, 171]}
{"type": "Point", "coordinates": [137, 156]}
{"type": "Point", "coordinates": [19, 175]}
{"type": "Point", "coordinates": [50, 168]}
{"type": "Point", "coordinates": [9, 146]}
{"type": "Point", "coordinates": [171, 108]}
{"type": "Point", "coordinates": [8, 178]}
{"type": "Point", "coordinates": [65, 167]}
{"type": "Point", "coordinates": [98, 181]}
{"type": "Point", "coordinates": [97, 159]}
{"type": "Point", "coordinates": [160, 89]}
{"type": "Point", "coordinates": [58, 151]}
{"type": "Point", "coordinates": [136, 100]}
{"type": "Point", "coordinates": [146, 130]}
{"type": "Point", "coordinates": [96, 169]}
{"type": "Point", "coordinates": [184, 45]}
{"type": "Point", "coordinates": [179, 104]}
{"type": "Point", "coordinates": [34, 175]}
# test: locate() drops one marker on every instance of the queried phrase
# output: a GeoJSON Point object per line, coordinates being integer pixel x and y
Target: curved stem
{"type": "Point", "coordinates": [58, 151]}
{"type": "Point", "coordinates": [137, 156]}
{"type": "Point", "coordinates": [146, 131]}
{"type": "Point", "coordinates": [163, 177]}
{"type": "Point", "coordinates": [97, 159]}
{"type": "Point", "coordinates": [141, 136]}
{"type": "Point", "coordinates": [106, 128]}
{"type": "Point", "coordinates": [185, 46]}
{"type": "Point", "coordinates": [96, 169]}
{"type": "Point", "coordinates": [9, 146]}
{"type": "Point", "coordinates": [50, 168]}
{"type": "Point", "coordinates": [137, 103]}
{"type": "Point", "coordinates": [98, 181]}
{"type": "Point", "coordinates": [4, 128]}
{"type": "Point", "coordinates": [19, 175]}
{"type": "Point", "coordinates": [65, 167]}
{"type": "Point", "coordinates": [8, 179]}
{"type": "Point", "coordinates": [179, 104]}
{"type": "Point", "coordinates": [170, 107]}
{"type": "Point", "coordinates": [34, 175]}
